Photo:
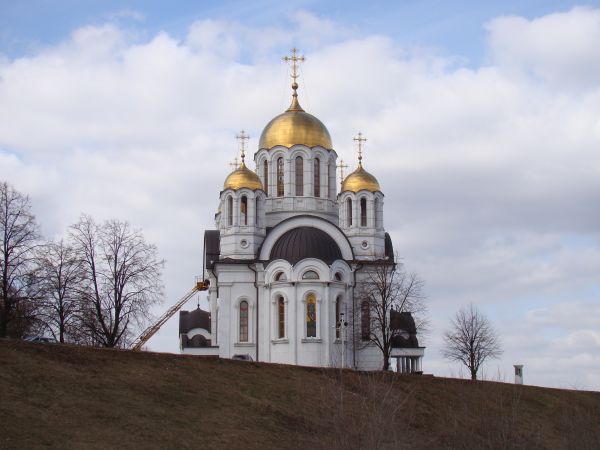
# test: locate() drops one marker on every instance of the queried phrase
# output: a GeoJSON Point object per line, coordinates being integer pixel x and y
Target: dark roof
{"type": "Point", "coordinates": [198, 318]}
{"type": "Point", "coordinates": [389, 247]}
{"type": "Point", "coordinates": [198, 341]}
{"type": "Point", "coordinates": [402, 321]}
{"type": "Point", "coordinates": [306, 242]}
{"type": "Point", "coordinates": [212, 242]}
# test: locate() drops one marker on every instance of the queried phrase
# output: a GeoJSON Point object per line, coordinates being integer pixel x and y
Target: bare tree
{"type": "Point", "coordinates": [387, 287]}
{"type": "Point", "coordinates": [61, 274]}
{"type": "Point", "coordinates": [471, 340]}
{"type": "Point", "coordinates": [18, 241]}
{"type": "Point", "coordinates": [122, 279]}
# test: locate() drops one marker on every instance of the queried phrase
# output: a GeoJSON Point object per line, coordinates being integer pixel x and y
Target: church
{"type": "Point", "coordinates": [289, 252]}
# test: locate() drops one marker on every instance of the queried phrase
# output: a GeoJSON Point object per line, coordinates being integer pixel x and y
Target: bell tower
{"type": "Point", "coordinates": [360, 204]}
{"type": "Point", "coordinates": [241, 216]}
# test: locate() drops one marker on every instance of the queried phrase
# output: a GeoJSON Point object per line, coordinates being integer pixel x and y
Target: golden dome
{"type": "Point", "coordinates": [295, 126]}
{"type": "Point", "coordinates": [242, 177]}
{"type": "Point", "coordinates": [360, 179]}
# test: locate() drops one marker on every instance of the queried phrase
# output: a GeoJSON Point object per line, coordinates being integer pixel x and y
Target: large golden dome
{"type": "Point", "coordinates": [295, 126]}
{"type": "Point", "coordinates": [360, 179]}
{"type": "Point", "coordinates": [242, 177]}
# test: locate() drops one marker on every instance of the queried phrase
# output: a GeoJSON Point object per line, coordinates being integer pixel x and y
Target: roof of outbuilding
{"type": "Point", "coordinates": [306, 242]}
{"type": "Point", "coordinates": [402, 321]}
{"type": "Point", "coordinates": [198, 318]}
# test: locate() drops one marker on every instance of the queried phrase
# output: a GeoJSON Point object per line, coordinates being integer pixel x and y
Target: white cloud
{"type": "Point", "coordinates": [491, 179]}
{"type": "Point", "coordinates": [560, 48]}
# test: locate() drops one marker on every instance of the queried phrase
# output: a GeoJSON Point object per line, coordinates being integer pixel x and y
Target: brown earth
{"type": "Point", "coordinates": [59, 396]}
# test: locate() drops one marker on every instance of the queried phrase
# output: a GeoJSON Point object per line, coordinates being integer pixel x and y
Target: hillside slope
{"type": "Point", "coordinates": [72, 397]}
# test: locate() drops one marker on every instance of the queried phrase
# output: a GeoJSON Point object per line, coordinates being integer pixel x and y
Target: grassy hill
{"type": "Point", "coordinates": [72, 397]}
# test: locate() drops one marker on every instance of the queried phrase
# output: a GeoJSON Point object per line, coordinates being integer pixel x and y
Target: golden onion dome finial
{"type": "Point", "coordinates": [242, 138]}
{"type": "Point", "coordinates": [360, 179]}
{"type": "Point", "coordinates": [242, 177]}
{"type": "Point", "coordinates": [360, 139]}
{"type": "Point", "coordinates": [295, 126]}
{"type": "Point", "coordinates": [294, 59]}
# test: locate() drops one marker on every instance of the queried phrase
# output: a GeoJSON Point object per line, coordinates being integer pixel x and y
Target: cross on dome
{"type": "Point", "coordinates": [342, 166]}
{"type": "Point", "coordinates": [242, 138]}
{"type": "Point", "coordinates": [234, 165]}
{"type": "Point", "coordinates": [294, 60]}
{"type": "Point", "coordinates": [360, 139]}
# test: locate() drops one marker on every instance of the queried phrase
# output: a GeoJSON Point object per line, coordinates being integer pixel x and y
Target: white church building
{"type": "Point", "coordinates": [288, 255]}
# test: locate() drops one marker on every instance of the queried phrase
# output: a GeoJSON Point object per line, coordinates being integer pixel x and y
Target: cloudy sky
{"type": "Point", "coordinates": [483, 127]}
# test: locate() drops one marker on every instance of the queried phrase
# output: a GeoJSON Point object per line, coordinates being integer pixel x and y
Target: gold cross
{"type": "Point", "coordinates": [342, 166]}
{"type": "Point", "coordinates": [294, 59]}
{"type": "Point", "coordinates": [360, 139]}
{"type": "Point", "coordinates": [242, 138]}
{"type": "Point", "coordinates": [234, 165]}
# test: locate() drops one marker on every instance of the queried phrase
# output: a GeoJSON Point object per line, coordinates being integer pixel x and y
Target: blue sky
{"type": "Point", "coordinates": [455, 27]}
{"type": "Point", "coordinates": [482, 120]}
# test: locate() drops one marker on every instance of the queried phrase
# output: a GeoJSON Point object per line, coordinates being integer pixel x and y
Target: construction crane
{"type": "Point", "coordinates": [201, 285]}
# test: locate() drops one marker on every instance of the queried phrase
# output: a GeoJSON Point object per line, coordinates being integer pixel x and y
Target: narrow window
{"type": "Point", "coordinates": [299, 176]}
{"type": "Point", "coordinates": [281, 317]}
{"type": "Point", "coordinates": [363, 212]}
{"type": "Point", "coordinates": [244, 210]}
{"type": "Point", "coordinates": [329, 180]}
{"type": "Point", "coordinates": [266, 176]}
{"type": "Point", "coordinates": [311, 316]}
{"type": "Point", "coordinates": [244, 321]}
{"type": "Point", "coordinates": [338, 325]}
{"type": "Point", "coordinates": [229, 211]}
{"type": "Point", "coordinates": [376, 209]}
{"type": "Point", "coordinates": [365, 320]}
{"type": "Point", "coordinates": [349, 212]}
{"type": "Point", "coordinates": [256, 212]}
{"type": "Point", "coordinates": [317, 178]}
{"type": "Point", "coordinates": [280, 177]}
{"type": "Point", "coordinates": [338, 276]}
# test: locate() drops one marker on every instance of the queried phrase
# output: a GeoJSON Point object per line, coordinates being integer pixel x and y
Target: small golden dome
{"type": "Point", "coordinates": [295, 126]}
{"type": "Point", "coordinates": [360, 179]}
{"type": "Point", "coordinates": [242, 177]}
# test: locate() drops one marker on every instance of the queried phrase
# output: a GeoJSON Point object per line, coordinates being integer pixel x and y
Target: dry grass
{"type": "Point", "coordinates": [72, 397]}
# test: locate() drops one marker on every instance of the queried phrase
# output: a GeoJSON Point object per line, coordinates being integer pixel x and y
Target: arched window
{"type": "Point", "coordinates": [376, 209]}
{"type": "Point", "coordinates": [311, 316]}
{"type": "Point", "coordinates": [317, 177]}
{"type": "Point", "coordinates": [280, 276]}
{"type": "Point", "coordinates": [266, 176]}
{"type": "Point", "coordinates": [299, 176]}
{"type": "Point", "coordinates": [365, 322]}
{"type": "Point", "coordinates": [279, 177]}
{"type": "Point", "coordinates": [338, 276]}
{"type": "Point", "coordinates": [338, 325]}
{"type": "Point", "coordinates": [363, 212]}
{"type": "Point", "coordinates": [310, 275]}
{"type": "Point", "coordinates": [256, 216]}
{"type": "Point", "coordinates": [229, 211]}
{"type": "Point", "coordinates": [330, 180]}
{"type": "Point", "coordinates": [349, 212]}
{"type": "Point", "coordinates": [281, 317]}
{"type": "Point", "coordinates": [244, 321]}
{"type": "Point", "coordinates": [244, 211]}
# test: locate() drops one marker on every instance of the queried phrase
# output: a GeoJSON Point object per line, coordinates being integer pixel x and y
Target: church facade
{"type": "Point", "coordinates": [289, 253]}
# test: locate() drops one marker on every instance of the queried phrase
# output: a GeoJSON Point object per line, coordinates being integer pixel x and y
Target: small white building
{"type": "Point", "coordinates": [288, 253]}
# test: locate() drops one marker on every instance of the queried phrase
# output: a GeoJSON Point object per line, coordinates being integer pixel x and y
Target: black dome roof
{"type": "Point", "coordinates": [198, 318]}
{"type": "Point", "coordinates": [306, 242]}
